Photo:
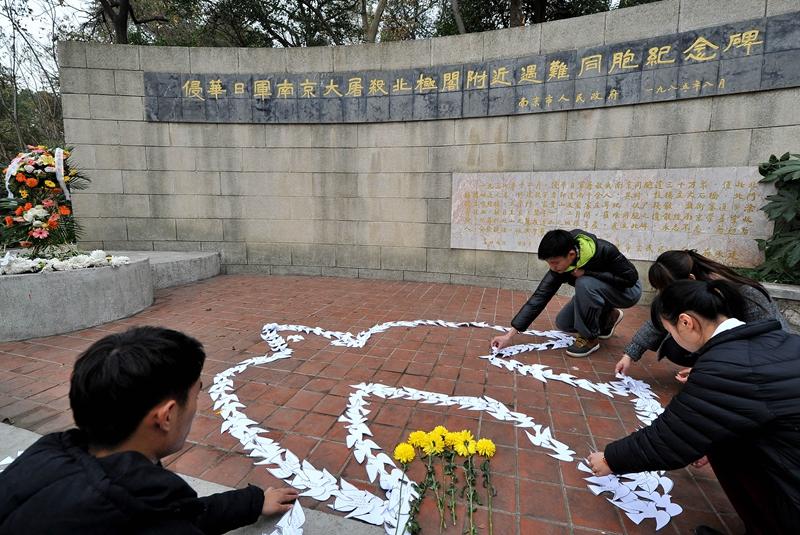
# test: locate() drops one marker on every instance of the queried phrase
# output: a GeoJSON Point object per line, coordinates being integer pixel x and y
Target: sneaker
{"type": "Point", "coordinates": [583, 347]}
{"type": "Point", "coordinates": [614, 317]}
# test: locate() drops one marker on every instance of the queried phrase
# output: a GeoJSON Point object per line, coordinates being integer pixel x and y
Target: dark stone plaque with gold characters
{"type": "Point", "coordinates": [754, 55]}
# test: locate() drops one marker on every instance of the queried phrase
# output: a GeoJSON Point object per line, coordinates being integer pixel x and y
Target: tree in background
{"type": "Point", "coordinates": [465, 16]}
{"type": "Point", "coordinates": [290, 23]}
{"type": "Point", "coordinates": [631, 3]}
{"type": "Point", "coordinates": [409, 19]}
{"type": "Point", "coordinates": [30, 103]}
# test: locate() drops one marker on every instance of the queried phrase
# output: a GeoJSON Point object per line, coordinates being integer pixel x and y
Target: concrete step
{"type": "Point", "coordinates": [173, 268]}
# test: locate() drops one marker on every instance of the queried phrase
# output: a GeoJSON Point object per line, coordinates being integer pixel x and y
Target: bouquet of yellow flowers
{"type": "Point", "coordinates": [447, 445]}
{"type": "Point", "coordinates": [35, 200]}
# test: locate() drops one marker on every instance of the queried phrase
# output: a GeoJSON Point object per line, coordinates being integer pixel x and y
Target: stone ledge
{"type": "Point", "coordinates": [787, 297]}
{"type": "Point", "coordinates": [44, 304]}
{"type": "Point", "coordinates": [175, 268]}
{"type": "Point", "coordinates": [789, 292]}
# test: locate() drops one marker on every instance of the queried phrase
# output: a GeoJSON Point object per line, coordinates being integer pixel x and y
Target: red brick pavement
{"type": "Point", "coordinates": [299, 399]}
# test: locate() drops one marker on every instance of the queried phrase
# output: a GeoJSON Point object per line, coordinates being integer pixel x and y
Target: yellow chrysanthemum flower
{"type": "Point", "coordinates": [452, 438]}
{"type": "Point", "coordinates": [49, 183]}
{"type": "Point", "coordinates": [23, 193]}
{"type": "Point", "coordinates": [462, 449]}
{"type": "Point", "coordinates": [440, 430]}
{"type": "Point", "coordinates": [435, 444]}
{"type": "Point", "coordinates": [486, 447]}
{"type": "Point", "coordinates": [472, 447]}
{"type": "Point", "coordinates": [418, 438]}
{"type": "Point", "coordinates": [404, 453]}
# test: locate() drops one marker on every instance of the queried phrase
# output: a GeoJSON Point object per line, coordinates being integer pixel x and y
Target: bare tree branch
{"type": "Point", "coordinates": [146, 20]}
{"type": "Point", "coordinates": [324, 20]}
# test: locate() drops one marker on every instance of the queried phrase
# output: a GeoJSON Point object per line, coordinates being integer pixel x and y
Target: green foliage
{"type": "Point", "coordinates": [240, 23]}
{"type": "Point", "coordinates": [782, 249]}
{"type": "Point", "coordinates": [37, 118]}
{"type": "Point", "coordinates": [485, 15]}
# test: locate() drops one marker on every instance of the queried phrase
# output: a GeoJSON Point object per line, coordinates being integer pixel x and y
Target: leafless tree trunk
{"type": "Point", "coordinates": [14, 111]}
{"type": "Point", "coordinates": [119, 18]}
{"type": "Point", "coordinates": [541, 11]}
{"type": "Point", "coordinates": [457, 16]}
{"type": "Point", "coordinates": [364, 16]}
{"type": "Point", "coordinates": [371, 31]}
{"type": "Point", "coordinates": [516, 13]}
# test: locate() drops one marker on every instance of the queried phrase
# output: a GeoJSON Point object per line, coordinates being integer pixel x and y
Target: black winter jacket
{"type": "Point", "coordinates": [742, 395]}
{"type": "Point", "coordinates": [607, 264]}
{"type": "Point", "coordinates": [57, 487]}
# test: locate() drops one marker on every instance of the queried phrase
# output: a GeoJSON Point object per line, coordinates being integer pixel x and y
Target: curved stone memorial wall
{"type": "Point", "coordinates": [296, 162]}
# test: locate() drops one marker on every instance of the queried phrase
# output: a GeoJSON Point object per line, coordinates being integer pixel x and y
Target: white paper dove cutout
{"type": "Point", "coordinates": [292, 522]}
{"type": "Point", "coordinates": [380, 468]}
{"type": "Point", "coordinates": [8, 460]}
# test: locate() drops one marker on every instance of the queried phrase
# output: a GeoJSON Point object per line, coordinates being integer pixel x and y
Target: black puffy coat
{"type": "Point", "coordinates": [57, 487]}
{"type": "Point", "coordinates": [743, 395]}
{"type": "Point", "coordinates": [607, 264]}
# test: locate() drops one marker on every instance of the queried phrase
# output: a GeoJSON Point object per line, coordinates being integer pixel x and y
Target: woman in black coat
{"type": "Point", "coordinates": [740, 407]}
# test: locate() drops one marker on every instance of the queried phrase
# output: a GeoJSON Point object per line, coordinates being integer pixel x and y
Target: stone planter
{"type": "Point", "coordinates": [56, 302]}
{"type": "Point", "coordinates": [787, 297]}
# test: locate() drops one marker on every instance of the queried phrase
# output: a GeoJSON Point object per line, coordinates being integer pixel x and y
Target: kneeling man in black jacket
{"type": "Point", "coordinates": [604, 280]}
{"type": "Point", "coordinates": [133, 396]}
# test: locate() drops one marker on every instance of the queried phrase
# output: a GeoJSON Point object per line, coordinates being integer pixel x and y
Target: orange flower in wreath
{"type": "Point", "coordinates": [64, 210]}
{"type": "Point", "coordinates": [9, 221]}
{"type": "Point", "coordinates": [19, 211]}
{"type": "Point", "coordinates": [25, 244]}
{"type": "Point", "coordinates": [27, 207]}
{"type": "Point", "coordinates": [20, 177]}
{"type": "Point", "coordinates": [31, 182]}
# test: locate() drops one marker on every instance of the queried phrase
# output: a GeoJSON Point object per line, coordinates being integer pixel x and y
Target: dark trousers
{"type": "Point", "coordinates": [594, 299]}
{"type": "Point", "coordinates": [763, 508]}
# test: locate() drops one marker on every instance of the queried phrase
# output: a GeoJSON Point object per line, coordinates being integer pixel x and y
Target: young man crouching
{"type": "Point", "coordinates": [604, 280]}
{"type": "Point", "coordinates": [133, 396]}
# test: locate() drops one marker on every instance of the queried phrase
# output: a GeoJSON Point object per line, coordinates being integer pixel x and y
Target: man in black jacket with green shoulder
{"type": "Point", "coordinates": [133, 396]}
{"type": "Point", "coordinates": [604, 280]}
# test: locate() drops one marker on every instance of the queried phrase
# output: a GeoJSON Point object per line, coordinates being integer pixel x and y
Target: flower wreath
{"type": "Point", "coordinates": [35, 202]}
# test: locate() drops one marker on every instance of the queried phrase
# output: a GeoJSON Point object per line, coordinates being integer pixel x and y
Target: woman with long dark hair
{"type": "Point", "coordinates": [686, 264]}
{"type": "Point", "coordinates": [739, 407]}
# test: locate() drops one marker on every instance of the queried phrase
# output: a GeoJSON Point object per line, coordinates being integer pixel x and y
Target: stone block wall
{"type": "Point", "coordinates": [373, 200]}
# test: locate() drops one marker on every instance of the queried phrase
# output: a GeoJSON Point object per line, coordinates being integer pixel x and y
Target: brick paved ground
{"type": "Point", "coordinates": [299, 399]}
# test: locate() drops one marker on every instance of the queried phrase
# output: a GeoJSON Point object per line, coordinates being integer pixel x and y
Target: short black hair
{"type": "Point", "coordinates": [123, 376]}
{"type": "Point", "coordinates": [555, 243]}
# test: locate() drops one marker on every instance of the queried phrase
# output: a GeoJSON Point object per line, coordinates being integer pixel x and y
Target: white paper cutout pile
{"type": "Point", "coordinates": [292, 522]}
{"type": "Point", "coordinates": [633, 493]}
{"type": "Point", "coordinates": [637, 495]}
